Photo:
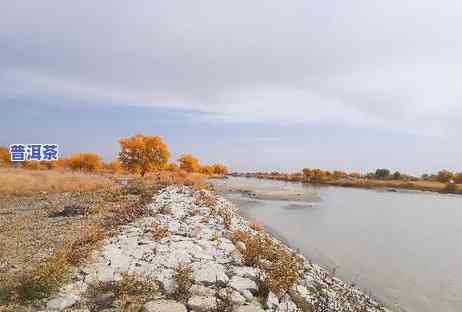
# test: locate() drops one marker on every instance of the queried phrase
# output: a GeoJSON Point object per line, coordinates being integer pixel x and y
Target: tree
{"type": "Point", "coordinates": [445, 176]}
{"type": "Point", "coordinates": [172, 167]}
{"type": "Point", "coordinates": [382, 173]}
{"type": "Point", "coordinates": [141, 154]}
{"type": "Point", "coordinates": [397, 175]}
{"type": "Point", "coordinates": [189, 163]}
{"type": "Point", "coordinates": [114, 166]}
{"type": "Point", "coordinates": [85, 161]}
{"type": "Point", "coordinates": [458, 178]}
{"type": "Point", "coordinates": [207, 169]}
{"type": "Point", "coordinates": [4, 156]}
{"type": "Point", "coordinates": [220, 169]}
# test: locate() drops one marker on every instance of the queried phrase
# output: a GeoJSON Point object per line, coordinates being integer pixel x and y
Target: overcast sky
{"type": "Point", "coordinates": [258, 84]}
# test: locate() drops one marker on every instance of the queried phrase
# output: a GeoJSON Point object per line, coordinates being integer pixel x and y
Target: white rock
{"type": "Point", "coordinates": [248, 308]}
{"type": "Point", "coordinates": [272, 301]}
{"type": "Point", "coordinates": [241, 283]}
{"type": "Point", "coordinates": [166, 279]}
{"type": "Point", "coordinates": [247, 295]}
{"type": "Point", "coordinates": [246, 271]}
{"type": "Point", "coordinates": [237, 298]}
{"type": "Point", "coordinates": [61, 302]}
{"type": "Point", "coordinates": [209, 273]}
{"type": "Point", "coordinates": [286, 305]}
{"type": "Point", "coordinates": [164, 306]}
{"type": "Point", "coordinates": [202, 303]}
{"type": "Point", "coordinates": [199, 290]}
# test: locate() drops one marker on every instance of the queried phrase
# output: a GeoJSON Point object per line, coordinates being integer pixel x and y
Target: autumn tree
{"type": "Point", "coordinates": [189, 163]}
{"type": "Point", "coordinates": [85, 161]}
{"type": "Point", "coordinates": [172, 167]}
{"type": "Point", "coordinates": [142, 154]}
{"type": "Point", "coordinates": [207, 169]}
{"type": "Point", "coordinates": [219, 169]}
{"type": "Point", "coordinates": [382, 174]}
{"type": "Point", "coordinates": [458, 178]}
{"type": "Point", "coordinates": [114, 166]}
{"type": "Point", "coordinates": [445, 176]}
{"type": "Point", "coordinates": [4, 156]}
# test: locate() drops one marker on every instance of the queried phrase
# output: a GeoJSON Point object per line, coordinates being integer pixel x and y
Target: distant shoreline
{"type": "Point", "coordinates": [364, 183]}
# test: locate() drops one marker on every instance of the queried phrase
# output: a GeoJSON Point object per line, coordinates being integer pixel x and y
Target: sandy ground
{"type": "Point", "coordinates": [263, 192]}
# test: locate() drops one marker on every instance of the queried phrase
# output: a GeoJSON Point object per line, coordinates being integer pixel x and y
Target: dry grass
{"type": "Point", "coordinates": [256, 226]}
{"type": "Point", "coordinates": [130, 293]}
{"type": "Point", "coordinates": [158, 231]}
{"type": "Point", "coordinates": [183, 279]}
{"type": "Point", "coordinates": [23, 181]}
{"type": "Point", "coordinates": [280, 267]}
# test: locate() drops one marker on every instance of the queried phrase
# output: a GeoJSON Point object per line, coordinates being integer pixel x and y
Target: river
{"type": "Point", "coordinates": [405, 248]}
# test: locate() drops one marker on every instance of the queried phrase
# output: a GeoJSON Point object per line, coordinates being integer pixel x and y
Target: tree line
{"type": "Point", "coordinates": [139, 154]}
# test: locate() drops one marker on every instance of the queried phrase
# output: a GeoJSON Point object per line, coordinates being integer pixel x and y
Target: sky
{"type": "Point", "coordinates": [259, 85]}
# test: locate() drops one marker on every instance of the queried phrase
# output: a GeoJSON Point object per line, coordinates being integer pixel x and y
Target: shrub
{"type": "Point", "coordinates": [85, 161]}
{"type": "Point", "coordinates": [219, 169]}
{"type": "Point", "coordinates": [141, 154]}
{"type": "Point", "coordinates": [382, 174]}
{"type": "Point", "coordinates": [4, 156]}
{"type": "Point", "coordinates": [114, 166]}
{"type": "Point", "coordinates": [183, 279]}
{"type": "Point", "coordinates": [189, 163]}
{"type": "Point", "coordinates": [282, 269]}
{"type": "Point", "coordinates": [159, 231]}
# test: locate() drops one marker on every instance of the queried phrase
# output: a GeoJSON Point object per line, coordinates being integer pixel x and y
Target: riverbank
{"type": "Point", "coordinates": [196, 253]}
{"type": "Point", "coordinates": [388, 185]}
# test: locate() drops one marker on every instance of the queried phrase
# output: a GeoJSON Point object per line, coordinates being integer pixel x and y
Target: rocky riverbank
{"type": "Point", "coordinates": [195, 253]}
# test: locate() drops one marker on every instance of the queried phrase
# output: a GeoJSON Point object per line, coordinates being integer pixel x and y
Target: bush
{"type": "Point", "coordinates": [4, 156]}
{"type": "Point", "coordinates": [85, 162]}
{"type": "Point", "coordinates": [282, 269]}
{"type": "Point", "coordinates": [183, 279]}
{"type": "Point", "coordinates": [189, 163]}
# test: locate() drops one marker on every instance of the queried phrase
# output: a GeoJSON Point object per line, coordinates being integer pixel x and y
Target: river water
{"type": "Point", "coordinates": [405, 248]}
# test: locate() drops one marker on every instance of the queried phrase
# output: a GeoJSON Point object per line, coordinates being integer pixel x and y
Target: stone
{"type": "Point", "coordinates": [209, 273]}
{"type": "Point", "coordinates": [247, 295]}
{"type": "Point", "coordinates": [61, 302]}
{"type": "Point", "coordinates": [202, 303]}
{"type": "Point", "coordinates": [249, 308]}
{"type": "Point", "coordinates": [167, 281]}
{"type": "Point", "coordinates": [237, 298]}
{"type": "Point", "coordinates": [241, 283]}
{"type": "Point", "coordinates": [199, 290]}
{"type": "Point", "coordinates": [247, 272]}
{"type": "Point", "coordinates": [286, 305]}
{"type": "Point", "coordinates": [272, 301]}
{"type": "Point", "coordinates": [105, 299]}
{"type": "Point", "coordinates": [164, 306]}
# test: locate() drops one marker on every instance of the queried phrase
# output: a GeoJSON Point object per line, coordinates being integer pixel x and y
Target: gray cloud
{"type": "Point", "coordinates": [381, 64]}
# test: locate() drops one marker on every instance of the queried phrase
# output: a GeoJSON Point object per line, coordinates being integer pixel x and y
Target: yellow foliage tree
{"type": "Point", "coordinates": [4, 156]}
{"type": "Point", "coordinates": [85, 161]}
{"type": "Point", "coordinates": [114, 166]}
{"type": "Point", "coordinates": [141, 154]}
{"type": "Point", "coordinates": [172, 167]}
{"type": "Point", "coordinates": [189, 163]}
{"type": "Point", "coordinates": [220, 169]}
{"type": "Point", "coordinates": [207, 169]}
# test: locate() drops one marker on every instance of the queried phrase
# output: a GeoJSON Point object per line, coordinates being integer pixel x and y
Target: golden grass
{"type": "Point", "coordinates": [23, 181]}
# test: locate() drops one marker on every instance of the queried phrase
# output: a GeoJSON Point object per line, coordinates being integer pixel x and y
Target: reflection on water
{"type": "Point", "coordinates": [404, 247]}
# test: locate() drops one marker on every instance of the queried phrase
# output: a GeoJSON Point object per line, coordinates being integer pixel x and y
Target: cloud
{"type": "Point", "coordinates": [387, 65]}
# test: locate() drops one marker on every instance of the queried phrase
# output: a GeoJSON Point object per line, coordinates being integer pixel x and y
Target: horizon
{"type": "Point", "coordinates": [258, 86]}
